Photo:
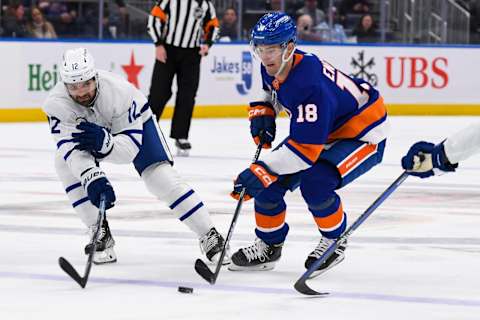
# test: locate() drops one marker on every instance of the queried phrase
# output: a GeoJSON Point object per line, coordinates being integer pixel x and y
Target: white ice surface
{"type": "Point", "coordinates": [416, 257]}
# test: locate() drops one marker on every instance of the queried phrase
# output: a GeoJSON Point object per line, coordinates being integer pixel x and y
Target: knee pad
{"type": "Point", "coordinates": [61, 167]}
{"type": "Point", "coordinates": [75, 192]}
{"type": "Point", "coordinates": [270, 201]}
{"type": "Point", "coordinates": [164, 182]}
{"type": "Point", "coordinates": [320, 206]}
{"type": "Point", "coordinates": [319, 182]}
{"type": "Point", "coordinates": [266, 205]}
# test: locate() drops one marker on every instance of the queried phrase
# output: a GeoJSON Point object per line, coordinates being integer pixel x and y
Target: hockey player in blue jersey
{"type": "Point", "coordinates": [96, 117]}
{"type": "Point", "coordinates": [337, 133]}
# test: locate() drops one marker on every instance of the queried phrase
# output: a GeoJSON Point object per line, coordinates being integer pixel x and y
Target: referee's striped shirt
{"type": "Point", "coordinates": [183, 23]}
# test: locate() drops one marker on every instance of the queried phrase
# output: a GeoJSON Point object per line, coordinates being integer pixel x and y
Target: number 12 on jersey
{"type": "Point", "coordinates": [53, 122]}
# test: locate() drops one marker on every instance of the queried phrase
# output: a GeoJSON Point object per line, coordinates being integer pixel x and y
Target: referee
{"type": "Point", "coordinates": [183, 31]}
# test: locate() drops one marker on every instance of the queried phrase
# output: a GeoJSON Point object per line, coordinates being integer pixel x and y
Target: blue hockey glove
{"type": "Point", "coordinates": [262, 123]}
{"type": "Point", "coordinates": [255, 179]}
{"type": "Point", "coordinates": [94, 139]}
{"type": "Point", "coordinates": [424, 159]}
{"type": "Point", "coordinates": [95, 182]}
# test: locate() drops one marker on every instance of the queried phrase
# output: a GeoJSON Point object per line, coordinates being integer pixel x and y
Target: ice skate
{"type": "Point", "coordinates": [211, 244]}
{"type": "Point", "coordinates": [183, 147]}
{"type": "Point", "coordinates": [104, 252]}
{"type": "Point", "coordinates": [258, 256]}
{"type": "Point", "coordinates": [332, 261]}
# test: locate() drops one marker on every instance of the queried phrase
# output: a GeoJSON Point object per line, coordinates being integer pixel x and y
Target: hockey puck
{"type": "Point", "coordinates": [185, 289]}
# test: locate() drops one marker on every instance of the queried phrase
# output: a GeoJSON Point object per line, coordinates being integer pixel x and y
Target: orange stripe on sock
{"type": "Point", "coordinates": [270, 222]}
{"type": "Point", "coordinates": [310, 151]}
{"type": "Point", "coordinates": [331, 220]}
{"type": "Point", "coordinates": [159, 13]}
{"type": "Point", "coordinates": [355, 158]}
{"type": "Point", "coordinates": [358, 123]}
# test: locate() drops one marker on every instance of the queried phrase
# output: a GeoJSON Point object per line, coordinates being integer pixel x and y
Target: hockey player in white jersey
{"type": "Point", "coordinates": [425, 159]}
{"type": "Point", "coordinates": [96, 116]}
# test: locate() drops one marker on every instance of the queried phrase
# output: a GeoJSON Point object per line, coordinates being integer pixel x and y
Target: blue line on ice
{"type": "Point", "coordinates": [262, 290]}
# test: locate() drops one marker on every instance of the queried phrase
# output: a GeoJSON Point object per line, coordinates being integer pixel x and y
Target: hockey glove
{"type": "Point", "coordinates": [262, 123]}
{"type": "Point", "coordinates": [255, 179]}
{"type": "Point", "coordinates": [95, 183]}
{"type": "Point", "coordinates": [94, 139]}
{"type": "Point", "coordinates": [424, 159]}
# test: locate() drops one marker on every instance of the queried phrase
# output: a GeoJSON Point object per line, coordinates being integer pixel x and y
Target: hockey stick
{"type": "Point", "coordinates": [301, 285]}
{"type": "Point", "coordinates": [202, 269]}
{"type": "Point", "coordinates": [67, 266]}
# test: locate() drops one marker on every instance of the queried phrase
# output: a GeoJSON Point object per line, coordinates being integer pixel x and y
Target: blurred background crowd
{"type": "Point", "coordinates": [338, 21]}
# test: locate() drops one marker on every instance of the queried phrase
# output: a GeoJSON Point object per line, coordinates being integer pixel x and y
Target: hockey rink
{"type": "Point", "coordinates": [416, 257]}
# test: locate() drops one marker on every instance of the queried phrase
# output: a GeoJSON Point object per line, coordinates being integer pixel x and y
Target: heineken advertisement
{"type": "Point", "coordinates": [41, 78]}
{"type": "Point", "coordinates": [412, 80]}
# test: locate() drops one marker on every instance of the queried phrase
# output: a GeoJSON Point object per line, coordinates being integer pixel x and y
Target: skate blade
{"type": "Point", "coordinates": [104, 257]}
{"type": "Point", "coordinates": [322, 271]}
{"type": "Point", "coordinates": [183, 153]}
{"type": "Point", "coordinates": [262, 267]}
{"type": "Point", "coordinates": [214, 261]}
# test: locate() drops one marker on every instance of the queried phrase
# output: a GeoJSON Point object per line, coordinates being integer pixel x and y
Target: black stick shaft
{"type": "Point", "coordinates": [67, 266]}
{"type": "Point", "coordinates": [234, 220]}
{"type": "Point", "coordinates": [200, 266]}
{"type": "Point", "coordinates": [101, 216]}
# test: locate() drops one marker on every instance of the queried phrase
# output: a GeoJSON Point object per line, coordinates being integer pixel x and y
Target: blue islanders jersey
{"type": "Point", "coordinates": [324, 105]}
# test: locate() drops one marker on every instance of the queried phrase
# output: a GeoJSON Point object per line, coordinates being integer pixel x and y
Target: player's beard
{"type": "Point", "coordinates": [86, 99]}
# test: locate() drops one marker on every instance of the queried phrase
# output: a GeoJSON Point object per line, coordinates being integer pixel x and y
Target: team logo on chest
{"type": "Point", "coordinates": [79, 119]}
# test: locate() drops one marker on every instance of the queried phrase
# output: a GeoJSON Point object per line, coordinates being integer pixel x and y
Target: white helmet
{"type": "Point", "coordinates": [77, 66]}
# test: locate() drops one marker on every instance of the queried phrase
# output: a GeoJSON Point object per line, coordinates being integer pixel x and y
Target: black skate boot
{"type": "Point", "coordinates": [258, 256]}
{"type": "Point", "coordinates": [332, 261]}
{"type": "Point", "coordinates": [183, 147]}
{"type": "Point", "coordinates": [211, 245]}
{"type": "Point", "coordinates": [104, 252]}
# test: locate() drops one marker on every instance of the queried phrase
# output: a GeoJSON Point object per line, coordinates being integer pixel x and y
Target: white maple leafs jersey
{"type": "Point", "coordinates": [463, 144]}
{"type": "Point", "coordinates": [119, 107]}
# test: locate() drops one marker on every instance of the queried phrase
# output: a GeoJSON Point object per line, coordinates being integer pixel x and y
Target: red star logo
{"type": "Point", "coordinates": [132, 70]}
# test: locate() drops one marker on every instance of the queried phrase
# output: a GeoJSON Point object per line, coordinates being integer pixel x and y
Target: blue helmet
{"type": "Point", "coordinates": [274, 28]}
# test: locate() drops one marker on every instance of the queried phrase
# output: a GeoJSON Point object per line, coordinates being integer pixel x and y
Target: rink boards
{"type": "Point", "coordinates": [414, 80]}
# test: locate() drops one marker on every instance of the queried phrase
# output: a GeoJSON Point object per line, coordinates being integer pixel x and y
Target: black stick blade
{"type": "Point", "coordinates": [301, 286]}
{"type": "Point", "coordinates": [70, 270]}
{"type": "Point", "coordinates": [204, 271]}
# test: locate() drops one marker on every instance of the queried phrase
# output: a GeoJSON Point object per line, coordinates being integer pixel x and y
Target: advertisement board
{"type": "Point", "coordinates": [412, 80]}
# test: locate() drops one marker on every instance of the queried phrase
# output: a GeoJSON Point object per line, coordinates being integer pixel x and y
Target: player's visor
{"type": "Point", "coordinates": [75, 87]}
{"type": "Point", "coordinates": [268, 51]}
